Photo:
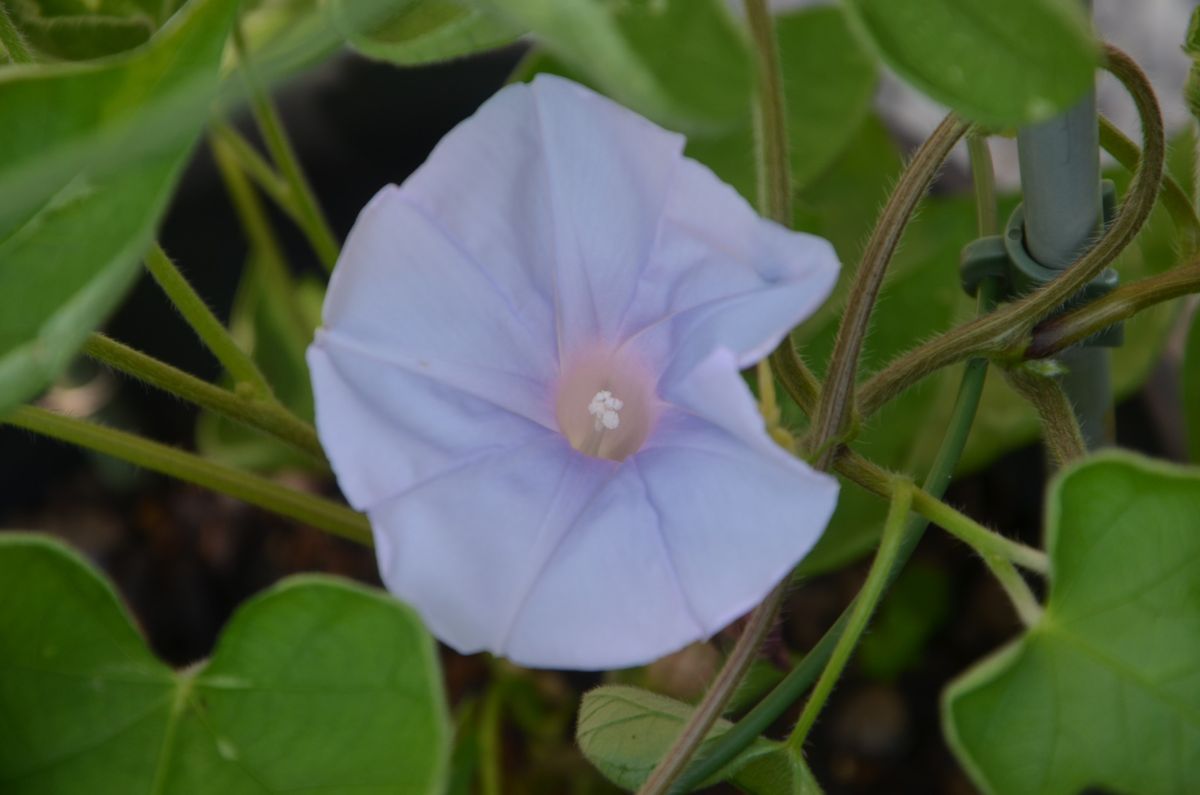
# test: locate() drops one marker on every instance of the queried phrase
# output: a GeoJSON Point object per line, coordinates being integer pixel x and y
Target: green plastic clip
{"type": "Point", "coordinates": [1006, 258]}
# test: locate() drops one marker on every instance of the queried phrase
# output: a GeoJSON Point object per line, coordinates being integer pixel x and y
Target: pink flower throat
{"type": "Point", "coordinates": [605, 403]}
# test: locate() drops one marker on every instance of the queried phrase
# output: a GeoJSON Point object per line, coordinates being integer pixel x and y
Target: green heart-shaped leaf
{"type": "Point", "coordinates": [1105, 690]}
{"type": "Point", "coordinates": [317, 685]}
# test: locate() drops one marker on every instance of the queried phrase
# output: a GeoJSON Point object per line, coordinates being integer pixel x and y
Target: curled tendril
{"type": "Point", "coordinates": [1005, 332]}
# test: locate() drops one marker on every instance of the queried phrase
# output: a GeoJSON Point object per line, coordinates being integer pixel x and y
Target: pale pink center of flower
{"type": "Point", "coordinates": [605, 404]}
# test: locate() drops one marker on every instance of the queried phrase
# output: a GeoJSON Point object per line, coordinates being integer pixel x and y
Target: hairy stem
{"type": "Point", "coordinates": [1060, 428]}
{"type": "Point", "coordinates": [1061, 332]}
{"type": "Point", "coordinates": [711, 707]}
{"type": "Point", "coordinates": [984, 541]}
{"type": "Point", "coordinates": [262, 414]}
{"type": "Point", "coordinates": [876, 479]}
{"type": "Point", "coordinates": [1023, 601]}
{"type": "Point", "coordinates": [837, 394]}
{"type": "Point", "coordinates": [1173, 197]}
{"type": "Point", "coordinates": [257, 168]}
{"type": "Point", "coordinates": [267, 256]}
{"type": "Point", "coordinates": [774, 163]}
{"type": "Point", "coordinates": [211, 331]}
{"type": "Point", "coordinates": [861, 612]}
{"type": "Point", "coordinates": [983, 179]}
{"type": "Point", "coordinates": [1004, 333]}
{"type": "Point", "coordinates": [797, 379]}
{"type": "Point", "coordinates": [311, 219]}
{"type": "Point", "coordinates": [11, 40]}
{"type": "Point", "coordinates": [308, 508]}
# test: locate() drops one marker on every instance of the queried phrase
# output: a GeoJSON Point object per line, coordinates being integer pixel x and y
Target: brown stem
{"type": "Point", "coordinates": [1060, 429]}
{"type": "Point", "coordinates": [837, 395]}
{"type": "Point", "coordinates": [1061, 332]}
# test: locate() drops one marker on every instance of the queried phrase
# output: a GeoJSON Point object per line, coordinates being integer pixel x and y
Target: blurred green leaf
{"type": "Point", "coordinates": [75, 217]}
{"type": "Point", "coordinates": [916, 606]}
{"type": "Point", "coordinates": [829, 81]}
{"type": "Point", "coordinates": [624, 731]}
{"type": "Point", "coordinates": [1191, 388]}
{"type": "Point", "coordinates": [263, 328]}
{"type": "Point", "coordinates": [683, 63]}
{"type": "Point", "coordinates": [415, 32]}
{"type": "Point", "coordinates": [317, 684]}
{"type": "Point", "coordinates": [286, 36]}
{"type": "Point", "coordinates": [1002, 64]}
{"type": "Point", "coordinates": [1105, 690]}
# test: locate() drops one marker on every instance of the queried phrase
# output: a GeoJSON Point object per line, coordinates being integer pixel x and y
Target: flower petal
{"type": "Point", "coordinates": [610, 173]}
{"type": "Point", "coordinates": [405, 285]}
{"type": "Point", "coordinates": [737, 516]}
{"type": "Point", "coordinates": [721, 276]}
{"type": "Point", "coordinates": [541, 554]}
{"type": "Point", "coordinates": [559, 191]}
{"type": "Point", "coordinates": [608, 595]}
{"type": "Point", "coordinates": [386, 427]}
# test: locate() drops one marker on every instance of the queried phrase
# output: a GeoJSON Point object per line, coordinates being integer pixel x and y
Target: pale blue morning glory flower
{"type": "Point", "coordinates": [528, 379]}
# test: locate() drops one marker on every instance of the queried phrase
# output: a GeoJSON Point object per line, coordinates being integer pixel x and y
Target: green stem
{"type": "Point", "coordinates": [774, 162]}
{"type": "Point", "coordinates": [860, 614]}
{"type": "Point", "coordinates": [966, 403]}
{"type": "Point", "coordinates": [267, 256]}
{"type": "Point", "coordinates": [1005, 332]}
{"type": "Point", "coordinates": [998, 552]}
{"type": "Point", "coordinates": [1014, 585]}
{"type": "Point", "coordinates": [797, 379]}
{"type": "Point", "coordinates": [258, 169]}
{"type": "Point", "coordinates": [11, 39]}
{"type": "Point", "coordinates": [983, 178]}
{"type": "Point", "coordinates": [311, 220]}
{"type": "Point", "coordinates": [976, 535]}
{"type": "Point", "coordinates": [310, 509]}
{"type": "Point", "coordinates": [491, 769]}
{"type": "Point", "coordinates": [206, 325]}
{"type": "Point", "coordinates": [836, 403]}
{"type": "Point", "coordinates": [266, 415]}
{"type": "Point", "coordinates": [1060, 428]}
{"type": "Point", "coordinates": [775, 174]}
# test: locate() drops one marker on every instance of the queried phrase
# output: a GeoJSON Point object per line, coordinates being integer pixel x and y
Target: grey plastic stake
{"type": "Point", "coordinates": [1060, 183]}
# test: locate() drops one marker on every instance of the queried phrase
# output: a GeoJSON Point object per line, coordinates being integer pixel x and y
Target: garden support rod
{"type": "Point", "coordinates": [1060, 183]}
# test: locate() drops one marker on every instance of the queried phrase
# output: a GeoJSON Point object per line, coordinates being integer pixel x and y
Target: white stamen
{"type": "Point", "coordinates": [604, 408]}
